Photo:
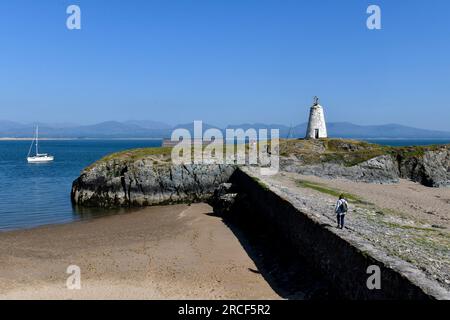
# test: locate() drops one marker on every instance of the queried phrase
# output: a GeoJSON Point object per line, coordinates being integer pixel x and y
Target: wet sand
{"type": "Point", "coordinates": [172, 252]}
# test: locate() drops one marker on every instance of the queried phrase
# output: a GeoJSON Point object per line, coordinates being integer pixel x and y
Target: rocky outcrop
{"type": "Point", "coordinates": [119, 183]}
{"type": "Point", "coordinates": [430, 168]}
{"type": "Point", "coordinates": [382, 169]}
{"type": "Point", "coordinates": [223, 199]}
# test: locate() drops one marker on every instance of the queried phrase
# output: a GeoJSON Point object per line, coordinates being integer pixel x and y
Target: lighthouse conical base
{"type": "Point", "coordinates": [317, 127]}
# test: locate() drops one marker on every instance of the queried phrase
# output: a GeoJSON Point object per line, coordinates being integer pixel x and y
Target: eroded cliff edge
{"type": "Point", "coordinates": [145, 177]}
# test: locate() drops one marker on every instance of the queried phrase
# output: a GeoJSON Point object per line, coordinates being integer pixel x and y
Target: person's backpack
{"type": "Point", "coordinates": [344, 206]}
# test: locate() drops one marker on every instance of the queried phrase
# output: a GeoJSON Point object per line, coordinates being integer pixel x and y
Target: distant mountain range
{"type": "Point", "coordinates": [154, 129]}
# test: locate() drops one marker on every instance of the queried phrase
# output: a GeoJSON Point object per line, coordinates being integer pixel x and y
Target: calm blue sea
{"type": "Point", "coordinates": [408, 142]}
{"type": "Point", "coordinates": [37, 194]}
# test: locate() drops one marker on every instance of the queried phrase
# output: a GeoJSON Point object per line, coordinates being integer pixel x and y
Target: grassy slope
{"type": "Point", "coordinates": [330, 191]}
{"type": "Point", "coordinates": [342, 151]}
{"type": "Point", "coordinates": [346, 152]}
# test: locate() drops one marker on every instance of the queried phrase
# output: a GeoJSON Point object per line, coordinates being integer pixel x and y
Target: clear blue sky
{"type": "Point", "coordinates": [225, 61]}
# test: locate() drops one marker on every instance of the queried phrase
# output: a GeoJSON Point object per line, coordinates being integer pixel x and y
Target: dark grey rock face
{"type": "Point", "coordinates": [223, 199]}
{"type": "Point", "coordinates": [382, 169]}
{"type": "Point", "coordinates": [432, 169]}
{"type": "Point", "coordinates": [119, 183]}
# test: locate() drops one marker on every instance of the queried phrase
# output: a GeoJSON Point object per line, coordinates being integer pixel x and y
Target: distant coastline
{"type": "Point", "coordinates": [135, 130]}
{"type": "Point", "coordinates": [372, 140]}
{"type": "Point", "coordinates": [436, 139]}
{"type": "Point", "coordinates": [71, 139]}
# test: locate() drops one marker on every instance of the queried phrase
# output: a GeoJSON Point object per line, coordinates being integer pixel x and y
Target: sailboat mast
{"type": "Point", "coordinates": [37, 139]}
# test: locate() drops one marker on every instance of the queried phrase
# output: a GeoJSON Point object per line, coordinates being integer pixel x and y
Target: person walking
{"type": "Point", "coordinates": [340, 210]}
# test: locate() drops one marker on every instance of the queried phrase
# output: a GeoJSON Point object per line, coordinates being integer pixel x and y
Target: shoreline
{"type": "Point", "coordinates": [80, 139]}
{"type": "Point", "coordinates": [105, 138]}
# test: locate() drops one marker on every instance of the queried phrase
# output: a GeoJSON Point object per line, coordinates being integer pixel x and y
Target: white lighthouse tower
{"type": "Point", "coordinates": [317, 127]}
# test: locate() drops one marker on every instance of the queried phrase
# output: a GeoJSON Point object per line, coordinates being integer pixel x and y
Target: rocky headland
{"type": "Point", "coordinates": [145, 177]}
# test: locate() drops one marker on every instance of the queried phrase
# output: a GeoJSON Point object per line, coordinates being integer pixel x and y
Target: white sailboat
{"type": "Point", "coordinates": [38, 157]}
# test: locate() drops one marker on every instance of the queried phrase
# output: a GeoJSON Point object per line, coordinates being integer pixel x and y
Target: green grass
{"type": "Point", "coordinates": [261, 184]}
{"type": "Point", "coordinates": [347, 152]}
{"type": "Point", "coordinates": [138, 153]}
{"type": "Point", "coordinates": [340, 151]}
{"type": "Point", "coordinates": [134, 154]}
{"type": "Point", "coordinates": [158, 154]}
{"type": "Point", "coordinates": [332, 192]}
{"type": "Point", "coordinates": [407, 227]}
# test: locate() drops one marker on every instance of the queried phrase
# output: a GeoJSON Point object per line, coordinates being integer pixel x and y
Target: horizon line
{"type": "Point", "coordinates": [64, 125]}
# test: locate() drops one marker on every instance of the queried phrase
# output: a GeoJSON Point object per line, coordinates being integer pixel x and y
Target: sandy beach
{"type": "Point", "coordinates": [172, 252]}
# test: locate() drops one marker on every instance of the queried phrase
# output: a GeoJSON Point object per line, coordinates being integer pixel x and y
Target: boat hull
{"type": "Point", "coordinates": [40, 159]}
